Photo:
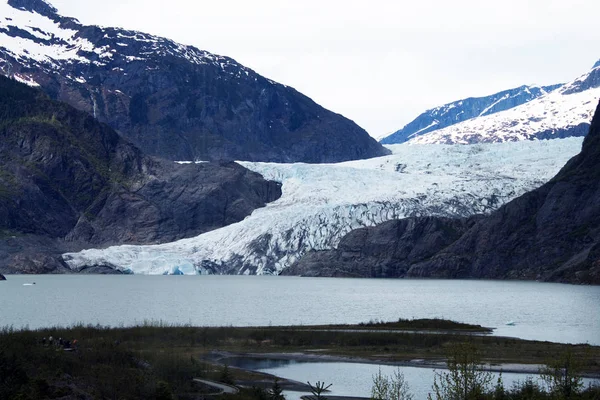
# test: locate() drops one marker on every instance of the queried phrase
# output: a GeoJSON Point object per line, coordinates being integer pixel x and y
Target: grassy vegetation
{"type": "Point", "coordinates": [131, 362]}
{"type": "Point", "coordinates": [431, 324]}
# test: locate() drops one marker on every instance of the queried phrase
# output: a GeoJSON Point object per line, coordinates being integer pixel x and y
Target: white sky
{"type": "Point", "coordinates": [378, 62]}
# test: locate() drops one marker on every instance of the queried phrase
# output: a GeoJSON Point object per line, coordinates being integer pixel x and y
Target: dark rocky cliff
{"type": "Point", "coordinates": [551, 234]}
{"type": "Point", "coordinates": [385, 251]}
{"type": "Point", "coordinates": [176, 101]}
{"type": "Point", "coordinates": [66, 177]}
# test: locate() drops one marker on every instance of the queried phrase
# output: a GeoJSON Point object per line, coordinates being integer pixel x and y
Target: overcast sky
{"type": "Point", "coordinates": [378, 62]}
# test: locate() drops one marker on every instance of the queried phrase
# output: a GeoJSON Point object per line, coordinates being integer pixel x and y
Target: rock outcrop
{"type": "Point", "coordinates": [66, 177]}
{"type": "Point", "coordinates": [385, 251]}
{"type": "Point", "coordinates": [172, 100]}
{"type": "Point", "coordinates": [551, 234]}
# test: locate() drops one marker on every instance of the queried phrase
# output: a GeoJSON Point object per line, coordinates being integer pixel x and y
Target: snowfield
{"type": "Point", "coordinates": [569, 108]}
{"type": "Point", "coordinates": [45, 42]}
{"type": "Point", "coordinates": [323, 202]}
{"type": "Point", "coordinates": [40, 31]}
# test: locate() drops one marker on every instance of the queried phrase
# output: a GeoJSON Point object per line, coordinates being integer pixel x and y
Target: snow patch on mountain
{"type": "Point", "coordinates": [563, 112]}
{"type": "Point", "coordinates": [323, 202]}
{"type": "Point", "coordinates": [462, 110]}
{"type": "Point", "coordinates": [26, 80]}
{"type": "Point", "coordinates": [49, 41]}
{"type": "Point", "coordinates": [29, 35]}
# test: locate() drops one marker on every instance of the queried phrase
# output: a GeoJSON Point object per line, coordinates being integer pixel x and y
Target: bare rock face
{"type": "Point", "coordinates": [551, 234]}
{"type": "Point", "coordinates": [385, 251]}
{"type": "Point", "coordinates": [2, 278]}
{"type": "Point", "coordinates": [175, 101]}
{"type": "Point", "coordinates": [69, 179]}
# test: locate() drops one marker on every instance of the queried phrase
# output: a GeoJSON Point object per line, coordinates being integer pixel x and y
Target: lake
{"type": "Point", "coordinates": [542, 311]}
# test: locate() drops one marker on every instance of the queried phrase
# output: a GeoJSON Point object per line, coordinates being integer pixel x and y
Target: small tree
{"type": "Point", "coordinates": [561, 375]}
{"type": "Point", "coordinates": [276, 392]}
{"type": "Point", "coordinates": [226, 375]}
{"type": "Point", "coordinates": [381, 386]}
{"type": "Point", "coordinates": [499, 390]}
{"type": "Point", "coordinates": [318, 390]}
{"type": "Point", "coordinates": [465, 379]}
{"type": "Point", "coordinates": [527, 390]}
{"type": "Point", "coordinates": [390, 388]}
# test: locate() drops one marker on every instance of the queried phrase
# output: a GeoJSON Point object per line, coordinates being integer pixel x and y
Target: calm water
{"type": "Point", "coordinates": [555, 312]}
{"type": "Point", "coordinates": [355, 379]}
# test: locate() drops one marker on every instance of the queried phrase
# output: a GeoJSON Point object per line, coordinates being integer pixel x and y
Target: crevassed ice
{"type": "Point", "coordinates": [323, 202]}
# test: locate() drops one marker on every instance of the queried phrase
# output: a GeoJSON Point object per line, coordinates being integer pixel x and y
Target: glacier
{"type": "Point", "coordinates": [323, 202]}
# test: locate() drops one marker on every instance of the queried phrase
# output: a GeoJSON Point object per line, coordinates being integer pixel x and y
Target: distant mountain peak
{"type": "Point", "coordinates": [596, 65]}
{"type": "Point", "coordinates": [466, 109]}
{"type": "Point", "coordinates": [561, 113]}
{"type": "Point", "coordinates": [41, 7]}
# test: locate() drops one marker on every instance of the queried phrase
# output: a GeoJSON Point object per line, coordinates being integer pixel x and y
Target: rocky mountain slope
{"type": "Point", "coordinates": [551, 233]}
{"type": "Point", "coordinates": [462, 110]}
{"type": "Point", "coordinates": [321, 203]}
{"type": "Point", "coordinates": [564, 112]}
{"type": "Point", "coordinates": [171, 100]}
{"type": "Point", "coordinates": [385, 251]}
{"type": "Point", "coordinates": [66, 177]}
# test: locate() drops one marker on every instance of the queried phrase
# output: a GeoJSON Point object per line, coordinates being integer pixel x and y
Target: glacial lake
{"type": "Point", "coordinates": [541, 311]}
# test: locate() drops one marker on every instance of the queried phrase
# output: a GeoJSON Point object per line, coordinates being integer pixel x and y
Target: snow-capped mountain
{"type": "Point", "coordinates": [321, 203]}
{"type": "Point", "coordinates": [171, 100]}
{"type": "Point", "coordinates": [462, 110]}
{"type": "Point", "coordinates": [564, 112]}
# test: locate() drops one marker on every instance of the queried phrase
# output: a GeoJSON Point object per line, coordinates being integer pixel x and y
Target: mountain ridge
{"type": "Point", "coordinates": [461, 110]}
{"type": "Point", "coordinates": [171, 100]}
{"type": "Point", "coordinates": [564, 112]}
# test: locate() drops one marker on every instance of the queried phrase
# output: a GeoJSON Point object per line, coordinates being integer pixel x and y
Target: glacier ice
{"type": "Point", "coordinates": [322, 202]}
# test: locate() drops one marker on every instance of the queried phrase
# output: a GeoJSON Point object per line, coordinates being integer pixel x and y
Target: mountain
{"type": "Point", "coordinates": [323, 202]}
{"type": "Point", "coordinates": [551, 233]}
{"type": "Point", "coordinates": [70, 182]}
{"type": "Point", "coordinates": [564, 112]}
{"type": "Point", "coordinates": [462, 110]}
{"type": "Point", "coordinates": [169, 99]}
